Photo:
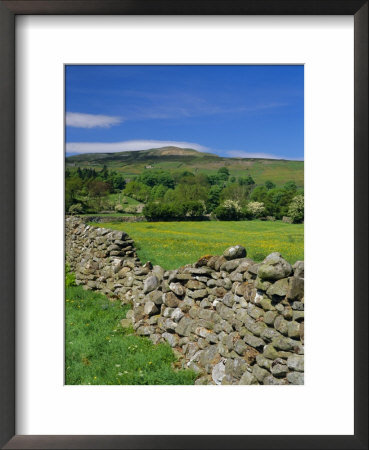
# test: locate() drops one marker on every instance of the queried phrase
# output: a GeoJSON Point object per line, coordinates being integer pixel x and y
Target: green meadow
{"type": "Point", "coordinates": [173, 244]}
{"type": "Point", "coordinates": [99, 351]}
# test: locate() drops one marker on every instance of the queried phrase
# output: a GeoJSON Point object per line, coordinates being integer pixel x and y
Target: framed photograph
{"type": "Point", "coordinates": [169, 174]}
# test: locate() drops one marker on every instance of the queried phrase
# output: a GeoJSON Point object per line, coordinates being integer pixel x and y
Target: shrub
{"type": "Point", "coordinates": [131, 209]}
{"type": "Point", "coordinates": [76, 208]}
{"type": "Point", "coordinates": [229, 210]}
{"type": "Point", "coordinates": [256, 209]}
{"type": "Point", "coordinates": [119, 208]}
{"type": "Point", "coordinates": [296, 209]}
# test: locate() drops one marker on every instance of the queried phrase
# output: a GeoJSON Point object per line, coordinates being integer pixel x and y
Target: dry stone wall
{"type": "Point", "coordinates": [228, 318]}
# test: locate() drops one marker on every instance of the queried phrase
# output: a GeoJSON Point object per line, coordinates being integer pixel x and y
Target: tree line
{"type": "Point", "coordinates": [185, 195]}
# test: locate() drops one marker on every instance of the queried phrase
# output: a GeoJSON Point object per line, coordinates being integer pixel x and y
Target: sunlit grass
{"type": "Point", "coordinates": [173, 244]}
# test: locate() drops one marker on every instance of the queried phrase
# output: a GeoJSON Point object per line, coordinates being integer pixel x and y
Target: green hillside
{"type": "Point", "coordinates": [174, 159]}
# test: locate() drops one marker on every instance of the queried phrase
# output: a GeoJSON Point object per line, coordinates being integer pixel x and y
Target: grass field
{"type": "Point", "coordinates": [173, 244]}
{"type": "Point", "coordinates": [99, 351]}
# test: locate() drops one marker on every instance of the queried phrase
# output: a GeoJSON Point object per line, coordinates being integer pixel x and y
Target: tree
{"type": "Point", "coordinates": [269, 185]}
{"type": "Point", "coordinates": [296, 209]}
{"type": "Point", "coordinates": [248, 181]}
{"type": "Point", "coordinates": [213, 199]}
{"type": "Point", "coordinates": [224, 170]}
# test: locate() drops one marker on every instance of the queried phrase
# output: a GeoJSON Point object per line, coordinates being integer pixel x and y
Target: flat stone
{"type": "Point", "coordinates": [170, 299]}
{"type": "Point", "coordinates": [177, 288]}
{"type": "Point", "coordinates": [235, 252]}
{"type": "Point", "coordinates": [150, 284]}
{"type": "Point", "coordinates": [253, 341]}
{"type": "Point", "coordinates": [295, 378]}
{"type": "Point", "coordinates": [150, 308]}
{"type": "Point", "coordinates": [259, 373]}
{"type": "Point", "coordinates": [280, 288]}
{"type": "Point", "coordinates": [218, 372]}
{"type": "Point", "coordinates": [296, 362]}
{"type": "Point", "coordinates": [248, 379]}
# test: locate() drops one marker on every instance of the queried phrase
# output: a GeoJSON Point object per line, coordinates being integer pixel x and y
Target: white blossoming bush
{"type": "Point", "coordinates": [229, 210]}
{"type": "Point", "coordinates": [256, 209]}
{"type": "Point", "coordinates": [296, 209]}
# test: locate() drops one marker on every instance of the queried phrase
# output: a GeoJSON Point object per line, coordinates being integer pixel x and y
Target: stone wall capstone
{"type": "Point", "coordinates": [228, 318]}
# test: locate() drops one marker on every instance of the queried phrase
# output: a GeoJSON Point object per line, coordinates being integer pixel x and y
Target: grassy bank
{"type": "Point", "coordinates": [100, 351]}
{"type": "Point", "coordinates": [172, 244]}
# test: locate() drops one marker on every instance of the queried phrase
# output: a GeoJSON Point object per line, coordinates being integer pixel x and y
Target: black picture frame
{"type": "Point", "coordinates": [8, 12]}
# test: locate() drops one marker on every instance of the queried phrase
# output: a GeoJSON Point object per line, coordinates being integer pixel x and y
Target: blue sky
{"type": "Point", "coordinates": [234, 111]}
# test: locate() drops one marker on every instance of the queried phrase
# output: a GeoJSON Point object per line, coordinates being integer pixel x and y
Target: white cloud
{"type": "Point", "coordinates": [80, 120]}
{"type": "Point", "coordinates": [111, 147]}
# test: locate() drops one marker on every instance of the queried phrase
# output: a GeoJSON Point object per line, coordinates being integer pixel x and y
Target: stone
{"type": "Point", "coordinates": [205, 303]}
{"type": "Point", "coordinates": [293, 330]}
{"type": "Point", "coordinates": [298, 269]}
{"type": "Point", "coordinates": [240, 347]}
{"type": "Point", "coordinates": [255, 312]}
{"type": "Point", "coordinates": [199, 294]}
{"type": "Point", "coordinates": [235, 252]}
{"type": "Point", "coordinates": [280, 288]}
{"type": "Point", "coordinates": [170, 299]}
{"type": "Point", "coordinates": [296, 362]}
{"type": "Point", "coordinates": [209, 356]}
{"type": "Point", "coordinates": [228, 299]}
{"type": "Point", "coordinates": [218, 372]}
{"type": "Point", "coordinates": [298, 306]}
{"type": "Point", "coordinates": [150, 284]}
{"type": "Point", "coordinates": [270, 352]}
{"type": "Point", "coordinates": [281, 325]}
{"type": "Point", "coordinates": [229, 266]}
{"type": "Point", "coordinates": [177, 314]}
{"type": "Point", "coordinates": [259, 373]}
{"type": "Point", "coordinates": [298, 316]}
{"type": "Point", "coordinates": [145, 330]}
{"type": "Point", "coordinates": [262, 284]}
{"type": "Point", "coordinates": [274, 267]}
{"type": "Point", "coordinates": [279, 368]}
{"type": "Point", "coordinates": [172, 339]}
{"type": "Point", "coordinates": [295, 378]}
{"type": "Point", "coordinates": [295, 288]}
{"type": "Point", "coordinates": [236, 367]}
{"type": "Point", "coordinates": [177, 288]}
{"type": "Point", "coordinates": [236, 276]}
{"type": "Point", "coordinates": [270, 380]}
{"type": "Point", "coordinates": [264, 362]}
{"type": "Point", "coordinates": [150, 308]}
{"type": "Point", "coordinates": [194, 284]}
{"type": "Point", "coordinates": [250, 355]}
{"type": "Point", "coordinates": [283, 343]}
{"type": "Point", "coordinates": [248, 379]}
{"type": "Point", "coordinates": [253, 341]}
{"type": "Point", "coordinates": [155, 297]}
{"type": "Point", "coordinates": [183, 327]}
{"type": "Point", "coordinates": [269, 317]}
{"type": "Point", "coordinates": [158, 272]}
{"type": "Point", "coordinates": [269, 333]}
{"type": "Point", "coordinates": [266, 304]}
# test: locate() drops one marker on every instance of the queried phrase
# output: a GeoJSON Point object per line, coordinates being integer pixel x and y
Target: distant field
{"type": "Point", "coordinates": [131, 164]}
{"type": "Point", "coordinates": [173, 244]}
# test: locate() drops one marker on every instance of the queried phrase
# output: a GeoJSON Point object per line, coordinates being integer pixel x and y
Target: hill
{"type": "Point", "coordinates": [175, 159]}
